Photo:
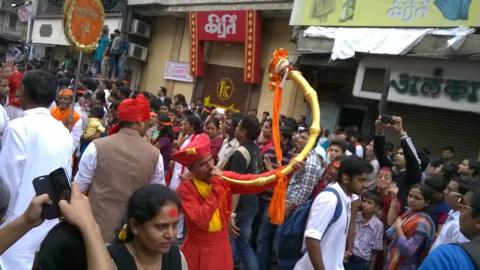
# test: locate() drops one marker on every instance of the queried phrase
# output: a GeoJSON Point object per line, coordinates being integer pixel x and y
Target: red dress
{"type": "Point", "coordinates": [206, 250]}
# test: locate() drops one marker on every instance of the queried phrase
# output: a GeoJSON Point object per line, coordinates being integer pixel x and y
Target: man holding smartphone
{"type": "Point", "coordinates": [33, 145]}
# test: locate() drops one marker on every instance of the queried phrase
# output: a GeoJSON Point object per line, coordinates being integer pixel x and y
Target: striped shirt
{"type": "Point", "coordinates": [368, 237]}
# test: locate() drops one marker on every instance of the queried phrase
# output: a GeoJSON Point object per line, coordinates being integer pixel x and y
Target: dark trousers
{"type": "Point", "coordinates": [356, 263]}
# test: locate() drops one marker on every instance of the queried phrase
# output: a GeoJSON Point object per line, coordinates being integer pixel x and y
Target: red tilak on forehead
{"type": "Point", "coordinates": [173, 212]}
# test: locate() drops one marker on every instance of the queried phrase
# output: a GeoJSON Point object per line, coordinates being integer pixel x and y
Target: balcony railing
{"type": "Point", "coordinates": [55, 7]}
{"type": "Point", "coordinates": [10, 26]}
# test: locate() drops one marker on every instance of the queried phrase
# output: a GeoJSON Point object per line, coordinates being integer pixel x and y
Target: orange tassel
{"type": "Point", "coordinates": [276, 209]}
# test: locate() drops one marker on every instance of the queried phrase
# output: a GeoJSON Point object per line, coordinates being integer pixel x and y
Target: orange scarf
{"type": "Point", "coordinates": [62, 115]}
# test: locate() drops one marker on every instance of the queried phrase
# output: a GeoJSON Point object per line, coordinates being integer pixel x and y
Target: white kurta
{"type": "Point", "coordinates": [179, 169]}
{"type": "Point", "coordinates": [3, 121]}
{"type": "Point", "coordinates": [32, 146]}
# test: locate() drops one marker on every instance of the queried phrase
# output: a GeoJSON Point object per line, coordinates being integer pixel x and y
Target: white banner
{"type": "Point", "coordinates": [178, 71]}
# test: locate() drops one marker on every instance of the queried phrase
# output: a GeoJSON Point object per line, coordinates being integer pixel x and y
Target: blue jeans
{"type": "Point", "coordinates": [241, 245]}
{"type": "Point", "coordinates": [114, 59]}
{"type": "Point", "coordinates": [266, 233]}
{"type": "Point", "coordinates": [356, 263]}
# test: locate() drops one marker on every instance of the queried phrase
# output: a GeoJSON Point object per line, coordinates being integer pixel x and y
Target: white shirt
{"type": "Point", "coordinates": [359, 151]}
{"type": "Point", "coordinates": [3, 121]}
{"type": "Point", "coordinates": [33, 145]}
{"type": "Point", "coordinates": [450, 232]}
{"type": "Point", "coordinates": [228, 147]}
{"type": "Point", "coordinates": [178, 169]}
{"type": "Point", "coordinates": [88, 164]}
{"type": "Point", "coordinates": [333, 241]}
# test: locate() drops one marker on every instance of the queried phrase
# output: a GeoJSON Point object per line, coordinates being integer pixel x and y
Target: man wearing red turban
{"type": "Point", "coordinates": [113, 167]}
{"type": "Point", "coordinates": [207, 206]}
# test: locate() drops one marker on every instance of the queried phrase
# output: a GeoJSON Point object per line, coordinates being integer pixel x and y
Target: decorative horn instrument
{"type": "Point", "coordinates": [280, 68]}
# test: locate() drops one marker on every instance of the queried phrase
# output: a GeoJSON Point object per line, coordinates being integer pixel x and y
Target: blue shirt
{"type": "Point", "coordinates": [448, 257]}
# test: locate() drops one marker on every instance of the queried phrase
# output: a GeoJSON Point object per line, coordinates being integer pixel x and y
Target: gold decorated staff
{"type": "Point", "coordinates": [281, 69]}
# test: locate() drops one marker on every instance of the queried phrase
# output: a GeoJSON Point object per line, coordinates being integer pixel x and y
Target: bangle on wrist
{"type": "Point", "coordinates": [233, 215]}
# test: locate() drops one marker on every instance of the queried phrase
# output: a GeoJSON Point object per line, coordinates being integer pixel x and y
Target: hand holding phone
{"type": "Point", "coordinates": [57, 186]}
{"type": "Point", "coordinates": [386, 119]}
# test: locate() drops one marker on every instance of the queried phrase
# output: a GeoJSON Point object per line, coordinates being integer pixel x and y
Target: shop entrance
{"type": "Point", "coordinates": [351, 117]}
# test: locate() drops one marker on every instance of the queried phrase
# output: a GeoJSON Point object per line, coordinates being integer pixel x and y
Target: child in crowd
{"type": "Point", "coordinates": [368, 243]}
{"type": "Point", "coordinates": [94, 128]}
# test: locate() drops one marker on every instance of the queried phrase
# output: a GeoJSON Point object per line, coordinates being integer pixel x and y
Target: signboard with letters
{"type": "Point", "coordinates": [432, 83]}
{"type": "Point", "coordinates": [227, 26]}
{"type": "Point", "coordinates": [224, 88]}
{"type": "Point", "coordinates": [83, 22]}
{"type": "Point", "coordinates": [381, 13]}
{"type": "Point", "coordinates": [178, 71]}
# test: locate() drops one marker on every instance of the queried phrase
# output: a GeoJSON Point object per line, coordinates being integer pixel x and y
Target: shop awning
{"type": "Point", "coordinates": [343, 43]}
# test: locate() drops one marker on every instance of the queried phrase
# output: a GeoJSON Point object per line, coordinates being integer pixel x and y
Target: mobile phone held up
{"type": "Point", "coordinates": [386, 119]}
{"type": "Point", "coordinates": [57, 186]}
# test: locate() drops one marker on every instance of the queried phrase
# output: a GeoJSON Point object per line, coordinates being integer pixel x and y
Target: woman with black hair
{"type": "Point", "coordinates": [146, 240]}
{"type": "Point", "coordinates": [191, 126]}
{"type": "Point", "coordinates": [164, 141]}
{"type": "Point", "coordinates": [214, 132]}
{"type": "Point", "coordinates": [413, 232]}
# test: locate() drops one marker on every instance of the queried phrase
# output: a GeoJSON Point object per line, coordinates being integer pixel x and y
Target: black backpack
{"type": "Point", "coordinates": [288, 239]}
{"type": "Point", "coordinates": [473, 250]}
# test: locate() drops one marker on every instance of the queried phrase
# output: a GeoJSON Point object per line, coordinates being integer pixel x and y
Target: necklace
{"type": "Point", "coordinates": [157, 265]}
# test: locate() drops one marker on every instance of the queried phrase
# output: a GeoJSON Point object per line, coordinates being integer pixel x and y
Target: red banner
{"type": "Point", "coordinates": [227, 26]}
{"type": "Point", "coordinates": [221, 26]}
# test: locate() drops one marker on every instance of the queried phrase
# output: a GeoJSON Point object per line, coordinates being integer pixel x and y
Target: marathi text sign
{"type": "Point", "coordinates": [221, 26]}
{"type": "Point", "coordinates": [83, 22]}
{"type": "Point", "coordinates": [381, 13]}
{"type": "Point", "coordinates": [431, 83]}
{"type": "Point", "coordinates": [178, 71]}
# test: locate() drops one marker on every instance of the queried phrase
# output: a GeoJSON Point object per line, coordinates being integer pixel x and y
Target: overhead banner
{"type": "Point", "coordinates": [227, 26]}
{"type": "Point", "coordinates": [391, 13]}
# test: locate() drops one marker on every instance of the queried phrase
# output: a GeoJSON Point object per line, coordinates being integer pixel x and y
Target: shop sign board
{"type": "Point", "coordinates": [381, 13]}
{"type": "Point", "coordinates": [430, 83]}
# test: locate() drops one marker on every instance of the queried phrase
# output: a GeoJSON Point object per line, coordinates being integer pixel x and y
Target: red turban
{"type": "Point", "coordinates": [134, 109]}
{"type": "Point", "coordinates": [197, 149]}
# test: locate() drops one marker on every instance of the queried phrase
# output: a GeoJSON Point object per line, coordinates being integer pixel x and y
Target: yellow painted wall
{"type": "Point", "coordinates": [276, 34]}
{"type": "Point", "coordinates": [170, 41]}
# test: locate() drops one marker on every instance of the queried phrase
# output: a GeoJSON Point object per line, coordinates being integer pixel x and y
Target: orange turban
{"type": "Point", "coordinates": [197, 149]}
{"type": "Point", "coordinates": [65, 93]}
{"type": "Point", "coordinates": [134, 109]}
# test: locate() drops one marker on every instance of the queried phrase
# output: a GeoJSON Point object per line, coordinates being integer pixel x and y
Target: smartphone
{"type": "Point", "coordinates": [57, 186]}
{"type": "Point", "coordinates": [220, 110]}
{"type": "Point", "coordinates": [386, 119]}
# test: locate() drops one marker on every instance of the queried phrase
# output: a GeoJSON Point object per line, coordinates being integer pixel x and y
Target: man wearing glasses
{"type": "Point", "coordinates": [450, 232]}
{"type": "Point", "coordinates": [465, 256]}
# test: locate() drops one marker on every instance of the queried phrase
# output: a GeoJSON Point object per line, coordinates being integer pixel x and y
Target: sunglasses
{"type": "Point", "coordinates": [461, 203]}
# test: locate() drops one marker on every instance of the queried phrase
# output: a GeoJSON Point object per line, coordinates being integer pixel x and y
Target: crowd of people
{"type": "Point", "coordinates": [149, 190]}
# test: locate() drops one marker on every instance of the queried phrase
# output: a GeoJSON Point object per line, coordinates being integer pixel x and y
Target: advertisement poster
{"type": "Point", "coordinates": [387, 13]}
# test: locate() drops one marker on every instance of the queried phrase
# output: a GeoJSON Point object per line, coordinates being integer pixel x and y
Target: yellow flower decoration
{"type": "Point", "coordinates": [191, 151]}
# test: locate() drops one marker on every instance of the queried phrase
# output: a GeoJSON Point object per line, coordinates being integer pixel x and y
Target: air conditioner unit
{"type": "Point", "coordinates": [137, 52]}
{"type": "Point", "coordinates": [140, 28]}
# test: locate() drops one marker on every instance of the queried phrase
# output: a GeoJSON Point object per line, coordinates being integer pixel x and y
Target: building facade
{"type": "Point", "coordinates": [431, 75]}
{"type": "Point", "coordinates": [223, 82]}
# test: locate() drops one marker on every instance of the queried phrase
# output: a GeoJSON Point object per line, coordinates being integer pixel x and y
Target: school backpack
{"type": "Point", "coordinates": [473, 250]}
{"type": "Point", "coordinates": [288, 239]}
